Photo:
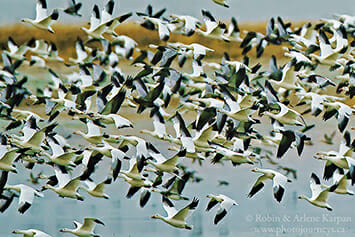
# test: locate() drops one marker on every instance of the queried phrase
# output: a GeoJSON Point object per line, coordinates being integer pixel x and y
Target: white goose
{"type": "Point", "coordinates": [225, 202]}
{"type": "Point", "coordinates": [27, 195]}
{"type": "Point", "coordinates": [67, 187]}
{"type": "Point", "coordinates": [221, 2]}
{"type": "Point", "coordinates": [97, 190]}
{"type": "Point", "coordinates": [319, 195]}
{"type": "Point", "coordinates": [177, 218]}
{"type": "Point", "coordinates": [31, 233]}
{"type": "Point", "coordinates": [43, 20]}
{"type": "Point", "coordinates": [279, 182]}
{"type": "Point", "coordinates": [343, 182]}
{"type": "Point", "coordinates": [96, 28]}
{"type": "Point", "coordinates": [7, 156]}
{"type": "Point", "coordinates": [286, 116]}
{"type": "Point", "coordinates": [58, 156]}
{"type": "Point", "coordinates": [84, 230]}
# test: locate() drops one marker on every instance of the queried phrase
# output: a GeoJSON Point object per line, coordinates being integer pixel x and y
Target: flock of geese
{"type": "Point", "coordinates": [221, 109]}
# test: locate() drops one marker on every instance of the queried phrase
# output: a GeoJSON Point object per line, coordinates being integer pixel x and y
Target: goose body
{"type": "Point", "coordinates": [27, 195]}
{"type": "Point", "coordinates": [225, 202]}
{"type": "Point", "coordinates": [67, 187]}
{"type": "Point", "coordinates": [279, 182]}
{"type": "Point", "coordinates": [84, 230]}
{"type": "Point", "coordinates": [31, 233]}
{"type": "Point", "coordinates": [177, 218]}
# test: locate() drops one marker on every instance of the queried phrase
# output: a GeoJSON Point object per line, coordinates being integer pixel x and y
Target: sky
{"type": "Point", "coordinates": [12, 11]}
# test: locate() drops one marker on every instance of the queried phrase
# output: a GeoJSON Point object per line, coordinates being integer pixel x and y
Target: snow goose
{"type": "Point", "coordinates": [213, 29]}
{"type": "Point", "coordinates": [166, 165]}
{"type": "Point", "coordinates": [278, 179]}
{"type": "Point", "coordinates": [17, 51]}
{"type": "Point", "coordinates": [96, 190]}
{"type": "Point", "coordinates": [177, 218]}
{"type": "Point", "coordinates": [221, 2]}
{"type": "Point", "coordinates": [124, 45]}
{"type": "Point", "coordinates": [43, 20]}
{"type": "Point", "coordinates": [328, 55]}
{"type": "Point", "coordinates": [112, 22]}
{"type": "Point", "coordinates": [183, 134]}
{"type": "Point", "coordinates": [133, 171]}
{"type": "Point", "coordinates": [117, 155]}
{"type": "Point", "coordinates": [96, 28]}
{"type": "Point", "coordinates": [7, 156]}
{"type": "Point", "coordinates": [58, 156]}
{"type": "Point", "coordinates": [84, 230]}
{"type": "Point", "coordinates": [186, 24]}
{"type": "Point", "coordinates": [135, 184]}
{"type": "Point", "coordinates": [338, 160]}
{"type": "Point", "coordinates": [289, 80]}
{"type": "Point", "coordinates": [67, 187]}
{"type": "Point", "coordinates": [342, 181]}
{"type": "Point", "coordinates": [33, 140]}
{"type": "Point", "coordinates": [319, 195]}
{"type": "Point", "coordinates": [225, 202]}
{"type": "Point", "coordinates": [158, 124]}
{"type": "Point", "coordinates": [236, 158]}
{"type": "Point", "coordinates": [27, 195]}
{"type": "Point", "coordinates": [342, 112]}
{"type": "Point", "coordinates": [117, 120]}
{"type": "Point", "coordinates": [164, 27]}
{"type": "Point", "coordinates": [31, 233]}
{"type": "Point", "coordinates": [286, 116]}
{"type": "Point", "coordinates": [52, 55]}
{"type": "Point", "coordinates": [73, 8]}
{"type": "Point", "coordinates": [93, 134]}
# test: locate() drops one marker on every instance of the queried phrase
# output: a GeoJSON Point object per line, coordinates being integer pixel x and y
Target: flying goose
{"type": "Point", "coordinates": [96, 28]}
{"type": "Point", "coordinates": [221, 2]}
{"type": "Point", "coordinates": [135, 184]}
{"type": "Point", "coordinates": [343, 182]}
{"type": "Point", "coordinates": [235, 157]}
{"type": "Point", "coordinates": [96, 190]}
{"type": "Point", "coordinates": [213, 29]}
{"type": "Point", "coordinates": [186, 24]}
{"type": "Point", "coordinates": [59, 156]}
{"type": "Point", "coordinates": [73, 8]}
{"type": "Point", "coordinates": [166, 165]}
{"type": "Point", "coordinates": [338, 160]}
{"type": "Point", "coordinates": [177, 218]}
{"type": "Point", "coordinates": [43, 20]}
{"type": "Point", "coordinates": [113, 22]}
{"type": "Point", "coordinates": [27, 195]}
{"type": "Point", "coordinates": [85, 229]}
{"type": "Point", "coordinates": [31, 233]}
{"type": "Point", "coordinates": [225, 202]}
{"type": "Point", "coordinates": [7, 156]}
{"type": "Point", "coordinates": [17, 51]}
{"type": "Point", "coordinates": [278, 179]}
{"type": "Point", "coordinates": [319, 195]}
{"type": "Point", "coordinates": [67, 187]}
{"type": "Point", "coordinates": [286, 116]}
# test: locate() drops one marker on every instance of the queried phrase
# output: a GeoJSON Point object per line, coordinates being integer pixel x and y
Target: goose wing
{"type": "Point", "coordinates": [279, 183]}
{"type": "Point", "coordinates": [95, 18]}
{"type": "Point", "coordinates": [88, 224]}
{"type": "Point", "coordinates": [315, 186]}
{"type": "Point", "coordinates": [41, 10]}
{"type": "Point", "coordinates": [182, 214]}
{"type": "Point", "coordinates": [72, 185]}
{"type": "Point", "coordinates": [93, 130]}
{"type": "Point", "coordinates": [258, 185]}
{"type": "Point", "coordinates": [169, 209]}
